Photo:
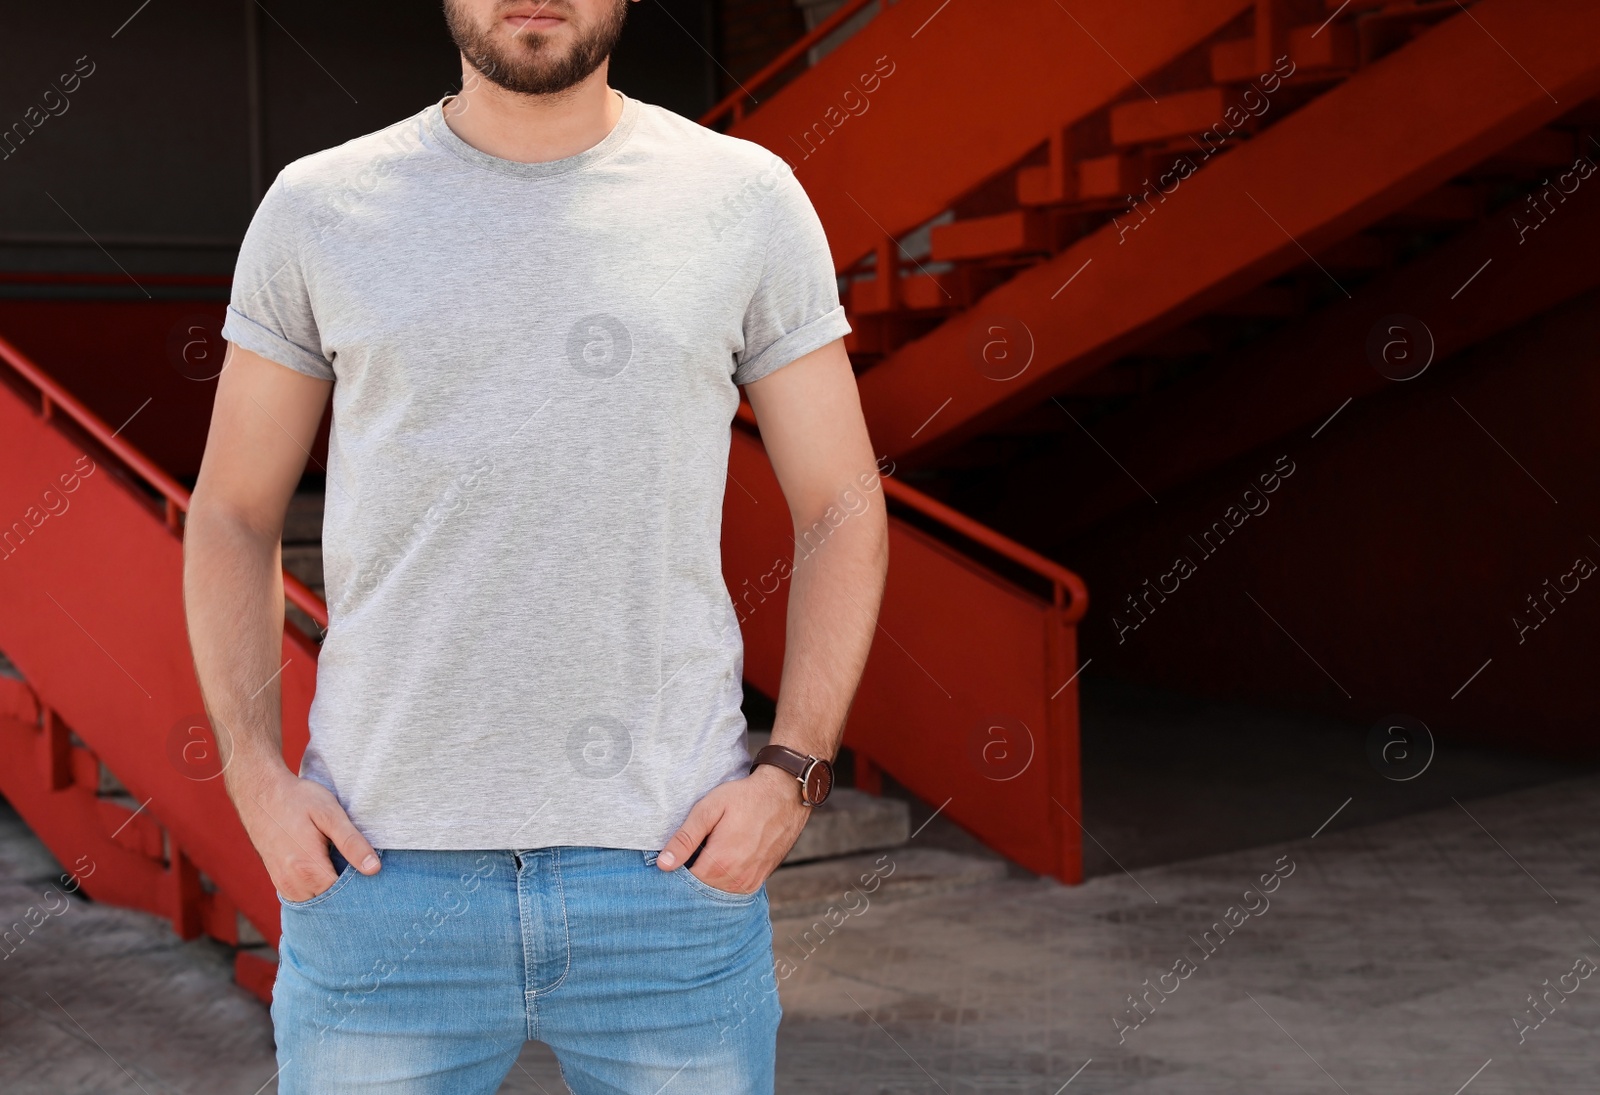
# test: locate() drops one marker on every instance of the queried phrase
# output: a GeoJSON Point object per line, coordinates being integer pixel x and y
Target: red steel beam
{"type": "Point", "coordinates": [1390, 134]}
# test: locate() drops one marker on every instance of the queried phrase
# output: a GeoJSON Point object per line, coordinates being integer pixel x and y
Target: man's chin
{"type": "Point", "coordinates": [526, 80]}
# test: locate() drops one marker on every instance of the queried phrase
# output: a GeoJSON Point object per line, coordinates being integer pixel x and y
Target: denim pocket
{"type": "Point", "coordinates": [346, 872]}
{"type": "Point", "coordinates": [725, 897]}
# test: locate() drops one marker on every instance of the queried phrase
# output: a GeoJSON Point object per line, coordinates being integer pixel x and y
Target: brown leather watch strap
{"type": "Point", "coordinates": [814, 774]}
{"type": "Point", "coordinates": [781, 756]}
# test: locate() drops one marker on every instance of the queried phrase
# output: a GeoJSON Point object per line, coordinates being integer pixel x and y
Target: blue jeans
{"type": "Point", "coordinates": [429, 976]}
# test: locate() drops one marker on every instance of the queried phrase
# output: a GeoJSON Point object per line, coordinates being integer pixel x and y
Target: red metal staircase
{"type": "Point", "coordinates": [104, 737]}
{"type": "Point", "coordinates": [1252, 208]}
{"type": "Point", "coordinates": [1147, 185]}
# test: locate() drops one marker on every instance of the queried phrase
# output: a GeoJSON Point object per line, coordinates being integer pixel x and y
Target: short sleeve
{"type": "Point", "coordinates": [795, 308]}
{"type": "Point", "coordinates": [269, 311]}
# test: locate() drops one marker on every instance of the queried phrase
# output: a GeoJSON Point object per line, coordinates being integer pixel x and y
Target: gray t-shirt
{"type": "Point", "coordinates": [536, 368]}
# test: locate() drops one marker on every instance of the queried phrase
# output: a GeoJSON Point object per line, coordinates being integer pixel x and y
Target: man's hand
{"type": "Point", "coordinates": [752, 823]}
{"type": "Point", "coordinates": [290, 821]}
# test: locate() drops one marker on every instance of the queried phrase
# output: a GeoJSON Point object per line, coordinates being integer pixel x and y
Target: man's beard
{"type": "Point", "coordinates": [529, 64]}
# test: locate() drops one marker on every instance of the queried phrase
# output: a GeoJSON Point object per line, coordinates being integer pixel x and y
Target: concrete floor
{"type": "Point", "coordinates": [1392, 960]}
{"type": "Point", "coordinates": [1170, 777]}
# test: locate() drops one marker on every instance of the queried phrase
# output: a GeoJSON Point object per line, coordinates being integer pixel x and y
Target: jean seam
{"type": "Point", "coordinates": [566, 935]}
{"type": "Point", "coordinates": [530, 1006]}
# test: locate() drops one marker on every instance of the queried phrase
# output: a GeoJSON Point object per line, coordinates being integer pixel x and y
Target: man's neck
{"type": "Point", "coordinates": [533, 128]}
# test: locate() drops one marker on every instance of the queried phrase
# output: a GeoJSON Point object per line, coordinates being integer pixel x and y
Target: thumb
{"type": "Point", "coordinates": [336, 826]}
{"type": "Point", "coordinates": [689, 835]}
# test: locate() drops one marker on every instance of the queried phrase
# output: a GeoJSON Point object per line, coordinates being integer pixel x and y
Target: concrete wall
{"type": "Point", "coordinates": [154, 153]}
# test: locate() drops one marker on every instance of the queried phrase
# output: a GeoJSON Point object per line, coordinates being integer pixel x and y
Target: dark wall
{"type": "Point", "coordinates": [1397, 555]}
{"type": "Point", "coordinates": [753, 33]}
{"type": "Point", "coordinates": [148, 366]}
{"type": "Point", "coordinates": [153, 162]}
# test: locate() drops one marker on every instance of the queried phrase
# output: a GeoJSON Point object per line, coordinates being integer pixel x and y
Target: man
{"type": "Point", "coordinates": [533, 305]}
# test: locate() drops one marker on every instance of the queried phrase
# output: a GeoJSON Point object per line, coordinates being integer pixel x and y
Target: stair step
{"type": "Point", "coordinates": [848, 887]}
{"type": "Point", "coordinates": [1036, 185]}
{"type": "Point", "coordinates": [1336, 48]}
{"type": "Point", "coordinates": [917, 292]}
{"type": "Point", "coordinates": [1021, 231]}
{"type": "Point", "coordinates": [110, 787]}
{"type": "Point", "coordinates": [852, 821]}
{"type": "Point", "coordinates": [134, 828]}
{"type": "Point", "coordinates": [1112, 178]}
{"type": "Point", "coordinates": [1181, 114]}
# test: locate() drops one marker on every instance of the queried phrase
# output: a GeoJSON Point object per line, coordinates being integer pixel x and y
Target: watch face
{"type": "Point", "coordinates": [819, 781]}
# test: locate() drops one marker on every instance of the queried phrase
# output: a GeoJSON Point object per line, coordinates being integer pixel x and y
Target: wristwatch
{"type": "Point", "coordinates": [814, 773]}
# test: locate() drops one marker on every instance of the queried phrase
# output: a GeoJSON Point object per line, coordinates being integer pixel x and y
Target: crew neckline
{"type": "Point", "coordinates": [439, 128]}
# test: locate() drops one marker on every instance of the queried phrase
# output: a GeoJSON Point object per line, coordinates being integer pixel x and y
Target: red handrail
{"type": "Point", "coordinates": [734, 103]}
{"type": "Point", "coordinates": [1070, 594]}
{"type": "Point", "coordinates": [53, 397]}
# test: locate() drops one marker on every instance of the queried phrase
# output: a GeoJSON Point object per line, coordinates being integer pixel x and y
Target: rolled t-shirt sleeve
{"type": "Point", "coordinates": [269, 311]}
{"type": "Point", "coordinates": [795, 308]}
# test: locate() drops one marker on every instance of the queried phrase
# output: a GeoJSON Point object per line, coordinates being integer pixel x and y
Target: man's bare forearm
{"type": "Point", "coordinates": [233, 595]}
{"type": "Point", "coordinates": [263, 424]}
{"type": "Point", "coordinates": [834, 595]}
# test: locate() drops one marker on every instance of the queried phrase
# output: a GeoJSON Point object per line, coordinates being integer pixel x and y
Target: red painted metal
{"type": "Point", "coordinates": [876, 152]}
{"type": "Point", "coordinates": [71, 822]}
{"type": "Point", "coordinates": [958, 650]}
{"type": "Point", "coordinates": [175, 497]}
{"type": "Point", "coordinates": [1068, 588]}
{"type": "Point", "coordinates": [1233, 407]}
{"type": "Point", "coordinates": [1246, 216]}
{"type": "Point", "coordinates": [733, 107]}
{"type": "Point", "coordinates": [92, 580]}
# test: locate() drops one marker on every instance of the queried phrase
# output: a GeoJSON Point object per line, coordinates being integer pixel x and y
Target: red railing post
{"type": "Point", "coordinates": [1061, 751]}
{"type": "Point", "coordinates": [183, 896]}
{"type": "Point", "coordinates": [55, 751]}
